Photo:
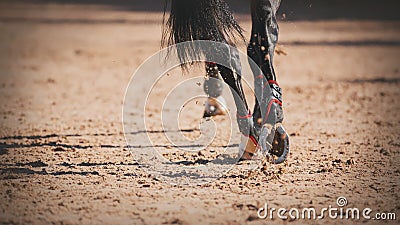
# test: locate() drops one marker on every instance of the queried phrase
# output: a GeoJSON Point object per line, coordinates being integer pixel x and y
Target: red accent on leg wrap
{"type": "Point", "coordinates": [273, 82]}
{"type": "Point", "coordinates": [254, 140]}
{"type": "Point", "coordinates": [246, 116]}
{"type": "Point", "coordinates": [269, 106]}
{"type": "Point", "coordinates": [270, 82]}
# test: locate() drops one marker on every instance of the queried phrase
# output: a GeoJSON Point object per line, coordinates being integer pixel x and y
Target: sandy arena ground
{"type": "Point", "coordinates": [64, 159]}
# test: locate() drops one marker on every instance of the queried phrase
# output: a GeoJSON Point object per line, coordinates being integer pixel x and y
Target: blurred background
{"type": "Point", "coordinates": [294, 9]}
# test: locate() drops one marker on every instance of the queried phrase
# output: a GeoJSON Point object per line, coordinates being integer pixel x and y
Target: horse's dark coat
{"type": "Point", "coordinates": [192, 20]}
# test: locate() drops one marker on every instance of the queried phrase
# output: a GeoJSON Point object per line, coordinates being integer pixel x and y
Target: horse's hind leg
{"type": "Point", "coordinates": [267, 114]}
{"type": "Point", "coordinates": [215, 104]}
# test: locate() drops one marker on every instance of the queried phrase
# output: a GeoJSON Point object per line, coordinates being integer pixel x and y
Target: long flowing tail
{"type": "Point", "coordinates": [191, 20]}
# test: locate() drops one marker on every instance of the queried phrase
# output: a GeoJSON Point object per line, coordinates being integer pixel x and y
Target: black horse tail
{"type": "Point", "coordinates": [191, 20]}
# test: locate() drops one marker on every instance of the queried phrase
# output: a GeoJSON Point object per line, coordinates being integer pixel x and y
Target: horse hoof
{"type": "Point", "coordinates": [275, 141]}
{"type": "Point", "coordinates": [215, 107]}
{"type": "Point", "coordinates": [247, 148]}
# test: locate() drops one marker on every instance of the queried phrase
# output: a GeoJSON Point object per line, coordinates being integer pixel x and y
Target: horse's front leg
{"type": "Point", "coordinates": [268, 113]}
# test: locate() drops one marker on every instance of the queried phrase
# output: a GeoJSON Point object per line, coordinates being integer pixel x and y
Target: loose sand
{"type": "Point", "coordinates": [63, 156]}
